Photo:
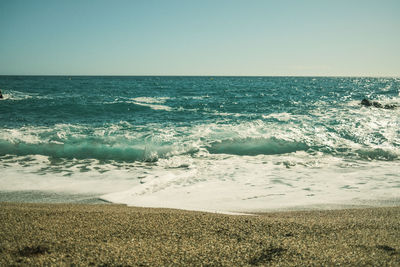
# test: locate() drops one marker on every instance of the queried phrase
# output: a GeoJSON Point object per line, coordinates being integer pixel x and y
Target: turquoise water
{"type": "Point", "coordinates": [145, 140]}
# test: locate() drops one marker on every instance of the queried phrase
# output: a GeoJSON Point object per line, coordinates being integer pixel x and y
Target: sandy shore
{"type": "Point", "coordinates": [65, 234]}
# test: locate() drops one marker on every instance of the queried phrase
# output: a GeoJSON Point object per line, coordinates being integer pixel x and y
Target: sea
{"type": "Point", "coordinates": [216, 144]}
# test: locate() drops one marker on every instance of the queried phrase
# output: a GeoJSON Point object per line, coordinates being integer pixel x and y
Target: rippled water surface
{"type": "Point", "coordinates": [204, 143]}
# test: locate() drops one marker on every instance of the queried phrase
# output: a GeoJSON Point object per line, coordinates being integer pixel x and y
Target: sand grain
{"type": "Point", "coordinates": [65, 234]}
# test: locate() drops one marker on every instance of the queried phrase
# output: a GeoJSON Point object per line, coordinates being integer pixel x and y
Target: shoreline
{"type": "Point", "coordinates": [111, 234]}
{"type": "Point", "coordinates": [43, 197]}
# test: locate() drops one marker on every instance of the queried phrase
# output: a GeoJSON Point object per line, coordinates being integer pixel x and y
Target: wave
{"type": "Point", "coordinates": [256, 146]}
{"type": "Point", "coordinates": [153, 107]}
{"type": "Point", "coordinates": [152, 102]}
{"type": "Point", "coordinates": [358, 135]}
{"type": "Point", "coordinates": [16, 95]}
{"type": "Point", "coordinates": [86, 149]}
{"type": "Point", "coordinates": [377, 154]}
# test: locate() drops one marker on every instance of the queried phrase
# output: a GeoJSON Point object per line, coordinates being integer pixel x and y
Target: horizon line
{"type": "Point", "coordinates": [208, 75]}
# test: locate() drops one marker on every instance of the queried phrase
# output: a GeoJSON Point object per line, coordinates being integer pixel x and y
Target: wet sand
{"type": "Point", "coordinates": [66, 234]}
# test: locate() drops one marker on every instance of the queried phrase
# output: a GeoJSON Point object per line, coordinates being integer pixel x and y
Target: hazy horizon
{"type": "Point", "coordinates": [179, 38]}
{"type": "Point", "coordinates": [205, 75]}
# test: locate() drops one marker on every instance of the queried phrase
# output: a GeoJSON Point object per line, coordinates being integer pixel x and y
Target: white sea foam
{"type": "Point", "coordinates": [40, 173]}
{"type": "Point", "coordinates": [154, 107]}
{"type": "Point", "coordinates": [152, 102]}
{"type": "Point", "coordinates": [250, 184]}
{"type": "Point", "coordinates": [212, 182]}
{"type": "Point", "coordinates": [15, 95]}
{"type": "Point", "coordinates": [279, 116]}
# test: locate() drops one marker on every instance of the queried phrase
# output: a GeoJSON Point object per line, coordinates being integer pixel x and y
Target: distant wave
{"type": "Point", "coordinates": [151, 102]}
{"type": "Point", "coordinates": [16, 95]}
{"type": "Point", "coordinates": [154, 107]}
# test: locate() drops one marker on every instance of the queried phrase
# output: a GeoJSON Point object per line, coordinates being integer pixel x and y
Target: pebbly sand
{"type": "Point", "coordinates": [108, 235]}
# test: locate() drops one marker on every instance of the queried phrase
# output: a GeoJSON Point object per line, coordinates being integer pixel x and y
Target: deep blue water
{"type": "Point", "coordinates": [97, 100]}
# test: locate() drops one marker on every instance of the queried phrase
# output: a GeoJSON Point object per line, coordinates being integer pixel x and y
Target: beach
{"type": "Point", "coordinates": [199, 133]}
{"type": "Point", "coordinates": [111, 235]}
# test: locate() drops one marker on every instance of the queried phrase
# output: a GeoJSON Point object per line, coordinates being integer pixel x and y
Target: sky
{"type": "Point", "coordinates": [207, 37]}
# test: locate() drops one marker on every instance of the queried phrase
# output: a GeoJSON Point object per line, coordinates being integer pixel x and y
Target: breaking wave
{"type": "Point", "coordinates": [256, 146]}
{"type": "Point", "coordinates": [87, 149]}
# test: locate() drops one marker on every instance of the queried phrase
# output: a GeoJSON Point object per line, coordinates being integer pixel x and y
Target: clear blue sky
{"type": "Point", "coordinates": [200, 37]}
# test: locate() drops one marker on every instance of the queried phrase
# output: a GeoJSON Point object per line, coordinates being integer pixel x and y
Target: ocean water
{"type": "Point", "coordinates": [228, 144]}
